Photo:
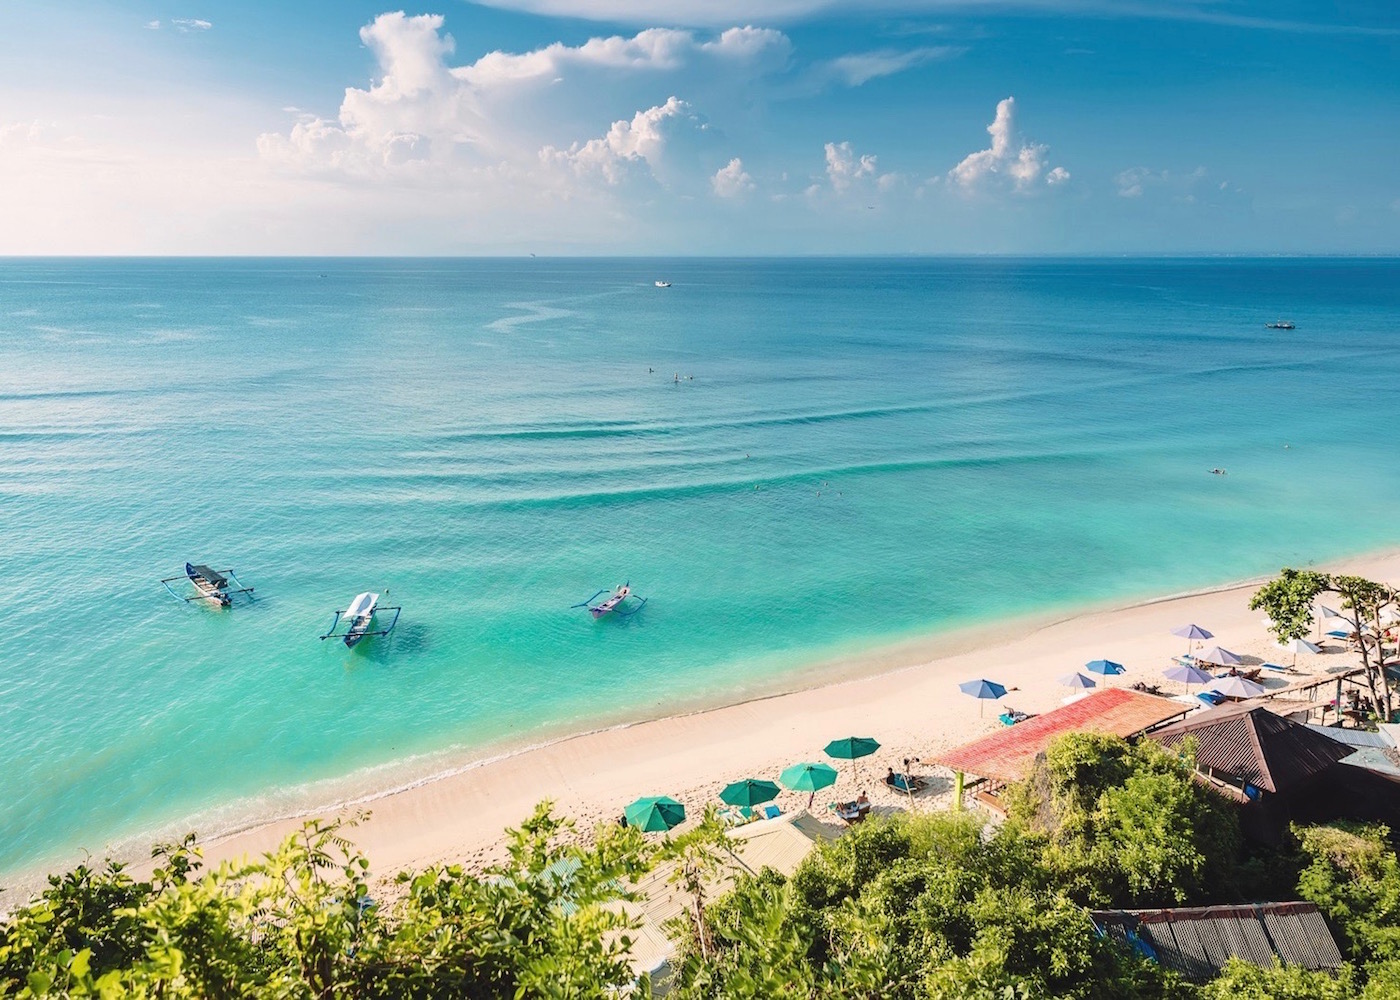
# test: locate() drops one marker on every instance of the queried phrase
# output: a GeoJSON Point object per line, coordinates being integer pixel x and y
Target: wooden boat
{"type": "Point", "coordinates": [613, 603]}
{"type": "Point", "coordinates": [359, 620]}
{"type": "Point", "coordinates": [209, 585]}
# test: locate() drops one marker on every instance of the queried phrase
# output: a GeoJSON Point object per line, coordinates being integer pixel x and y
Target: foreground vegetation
{"type": "Point", "coordinates": [934, 906]}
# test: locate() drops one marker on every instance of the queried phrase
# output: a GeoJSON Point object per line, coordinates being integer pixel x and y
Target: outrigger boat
{"type": "Point", "coordinates": [209, 585]}
{"type": "Point", "coordinates": [613, 603]}
{"type": "Point", "coordinates": [359, 620]}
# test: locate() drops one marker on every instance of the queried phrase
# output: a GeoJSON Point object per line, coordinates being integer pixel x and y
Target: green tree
{"type": "Point", "coordinates": [1353, 876]}
{"type": "Point", "coordinates": [1240, 980]}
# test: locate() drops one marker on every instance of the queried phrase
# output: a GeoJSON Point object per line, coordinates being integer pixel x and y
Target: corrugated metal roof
{"type": "Point", "coordinates": [1197, 941]}
{"type": "Point", "coordinates": [1353, 737]}
{"type": "Point", "coordinates": [1251, 743]}
{"type": "Point", "coordinates": [1007, 754]}
{"type": "Point", "coordinates": [1384, 761]}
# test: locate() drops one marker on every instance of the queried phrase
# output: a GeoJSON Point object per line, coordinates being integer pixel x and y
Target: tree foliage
{"type": "Point", "coordinates": [1288, 601]}
{"type": "Point", "coordinates": [299, 923]}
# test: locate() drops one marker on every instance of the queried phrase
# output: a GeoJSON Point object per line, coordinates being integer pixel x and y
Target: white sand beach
{"type": "Point", "coordinates": [914, 711]}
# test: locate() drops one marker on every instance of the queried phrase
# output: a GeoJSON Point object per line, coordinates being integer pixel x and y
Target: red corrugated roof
{"type": "Point", "coordinates": [1007, 755]}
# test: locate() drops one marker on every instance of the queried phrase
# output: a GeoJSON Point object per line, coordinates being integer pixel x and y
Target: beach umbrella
{"type": "Point", "coordinates": [1223, 657]}
{"type": "Point", "coordinates": [1105, 667]}
{"type": "Point", "coordinates": [1296, 646]}
{"type": "Point", "coordinates": [850, 748]}
{"type": "Point", "coordinates": [749, 792]}
{"type": "Point", "coordinates": [1192, 633]}
{"type": "Point", "coordinates": [1235, 686]}
{"type": "Point", "coordinates": [655, 813]}
{"type": "Point", "coordinates": [1077, 681]}
{"type": "Point", "coordinates": [1188, 674]}
{"type": "Point", "coordinates": [808, 777]}
{"type": "Point", "coordinates": [982, 689]}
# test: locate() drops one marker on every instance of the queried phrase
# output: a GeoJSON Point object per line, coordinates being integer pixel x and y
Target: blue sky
{"type": "Point", "coordinates": [700, 126]}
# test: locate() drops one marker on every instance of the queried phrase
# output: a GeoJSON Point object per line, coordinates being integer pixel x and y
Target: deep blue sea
{"type": "Point", "coordinates": [857, 452]}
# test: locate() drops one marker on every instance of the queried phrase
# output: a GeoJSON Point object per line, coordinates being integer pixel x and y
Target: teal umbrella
{"type": "Point", "coordinates": [808, 778]}
{"type": "Point", "coordinates": [749, 792]}
{"type": "Point", "coordinates": [850, 748]}
{"type": "Point", "coordinates": [655, 813]}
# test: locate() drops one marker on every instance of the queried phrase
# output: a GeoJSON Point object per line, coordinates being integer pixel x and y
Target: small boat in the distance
{"type": "Point", "coordinates": [663, 284]}
{"type": "Point", "coordinates": [1218, 472]}
{"type": "Point", "coordinates": [359, 620]}
{"type": "Point", "coordinates": [209, 585]}
{"type": "Point", "coordinates": [613, 603]}
{"type": "Point", "coordinates": [1280, 324]}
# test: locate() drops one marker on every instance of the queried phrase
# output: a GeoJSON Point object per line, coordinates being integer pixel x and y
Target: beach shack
{"type": "Point", "coordinates": [1279, 771]}
{"type": "Point", "coordinates": [1197, 941]}
{"type": "Point", "coordinates": [986, 765]}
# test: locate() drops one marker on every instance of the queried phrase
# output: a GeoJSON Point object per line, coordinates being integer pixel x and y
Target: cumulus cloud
{"type": "Point", "coordinates": [627, 144]}
{"type": "Point", "coordinates": [859, 67]}
{"type": "Point", "coordinates": [844, 168]}
{"type": "Point", "coordinates": [423, 115]}
{"type": "Point", "coordinates": [1019, 163]}
{"type": "Point", "coordinates": [731, 180]}
{"type": "Point", "coordinates": [190, 23]}
{"type": "Point", "coordinates": [152, 25]}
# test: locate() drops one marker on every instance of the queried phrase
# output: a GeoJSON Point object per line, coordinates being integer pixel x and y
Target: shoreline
{"type": "Point", "coordinates": [428, 817]}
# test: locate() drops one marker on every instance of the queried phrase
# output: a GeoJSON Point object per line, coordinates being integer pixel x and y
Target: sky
{"type": "Point", "coordinates": [678, 127]}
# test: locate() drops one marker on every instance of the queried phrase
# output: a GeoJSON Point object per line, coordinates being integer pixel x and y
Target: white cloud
{"type": "Point", "coordinates": [1131, 183]}
{"type": "Point", "coordinates": [426, 117]}
{"type": "Point", "coordinates": [843, 167]}
{"type": "Point", "coordinates": [857, 68]}
{"type": "Point", "coordinates": [152, 25]}
{"type": "Point", "coordinates": [190, 23]}
{"type": "Point", "coordinates": [1022, 164]}
{"type": "Point", "coordinates": [653, 49]}
{"type": "Point", "coordinates": [731, 180]}
{"type": "Point", "coordinates": [627, 144]}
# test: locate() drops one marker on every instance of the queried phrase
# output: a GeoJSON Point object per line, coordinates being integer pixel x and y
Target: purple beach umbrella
{"type": "Point", "coordinates": [1192, 633]}
{"type": "Point", "coordinates": [1223, 657]}
{"type": "Point", "coordinates": [1188, 675]}
{"type": "Point", "coordinates": [1235, 686]}
{"type": "Point", "coordinates": [1077, 681]}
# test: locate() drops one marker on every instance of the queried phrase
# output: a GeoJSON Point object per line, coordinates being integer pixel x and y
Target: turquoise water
{"type": "Point", "coordinates": [868, 450]}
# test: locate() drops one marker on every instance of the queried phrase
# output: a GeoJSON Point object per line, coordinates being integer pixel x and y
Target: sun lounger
{"type": "Point", "coordinates": [1211, 698]}
{"type": "Point", "coordinates": [851, 812]}
{"type": "Point", "coordinates": [909, 784]}
{"type": "Point", "coordinates": [1010, 717]}
{"type": "Point", "coordinates": [1275, 667]}
{"type": "Point", "coordinates": [770, 811]}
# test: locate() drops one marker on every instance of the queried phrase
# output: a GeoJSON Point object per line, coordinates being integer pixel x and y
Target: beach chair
{"type": "Point", "coordinates": [907, 784]}
{"type": "Point", "coordinates": [1010, 717]}
{"type": "Point", "coordinates": [1211, 698]}
{"type": "Point", "coordinates": [1275, 667]}
{"type": "Point", "coordinates": [770, 811]}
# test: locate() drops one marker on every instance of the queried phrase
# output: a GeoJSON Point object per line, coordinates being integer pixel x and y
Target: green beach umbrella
{"type": "Point", "coordinates": [749, 792]}
{"type": "Point", "coordinates": [808, 777]}
{"type": "Point", "coordinates": [655, 813]}
{"type": "Point", "coordinates": [850, 748]}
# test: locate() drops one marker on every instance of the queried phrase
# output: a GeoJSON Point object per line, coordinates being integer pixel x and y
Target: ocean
{"type": "Point", "coordinates": [794, 461]}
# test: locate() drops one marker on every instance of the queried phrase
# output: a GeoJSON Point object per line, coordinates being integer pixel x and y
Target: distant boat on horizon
{"type": "Point", "coordinates": [663, 284]}
{"type": "Point", "coordinates": [1280, 324]}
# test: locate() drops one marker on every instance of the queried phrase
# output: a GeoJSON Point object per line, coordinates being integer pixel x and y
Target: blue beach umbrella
{"type": "Point", "coordinates": [1105, 667]}
{"type": "Point", "coordinates": [1078, 681]}
{"type": "Point", "coordinates": [982, 690]}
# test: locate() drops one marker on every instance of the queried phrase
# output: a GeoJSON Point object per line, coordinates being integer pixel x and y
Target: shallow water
{"type": "Point", "coordinates": [868, 450]}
